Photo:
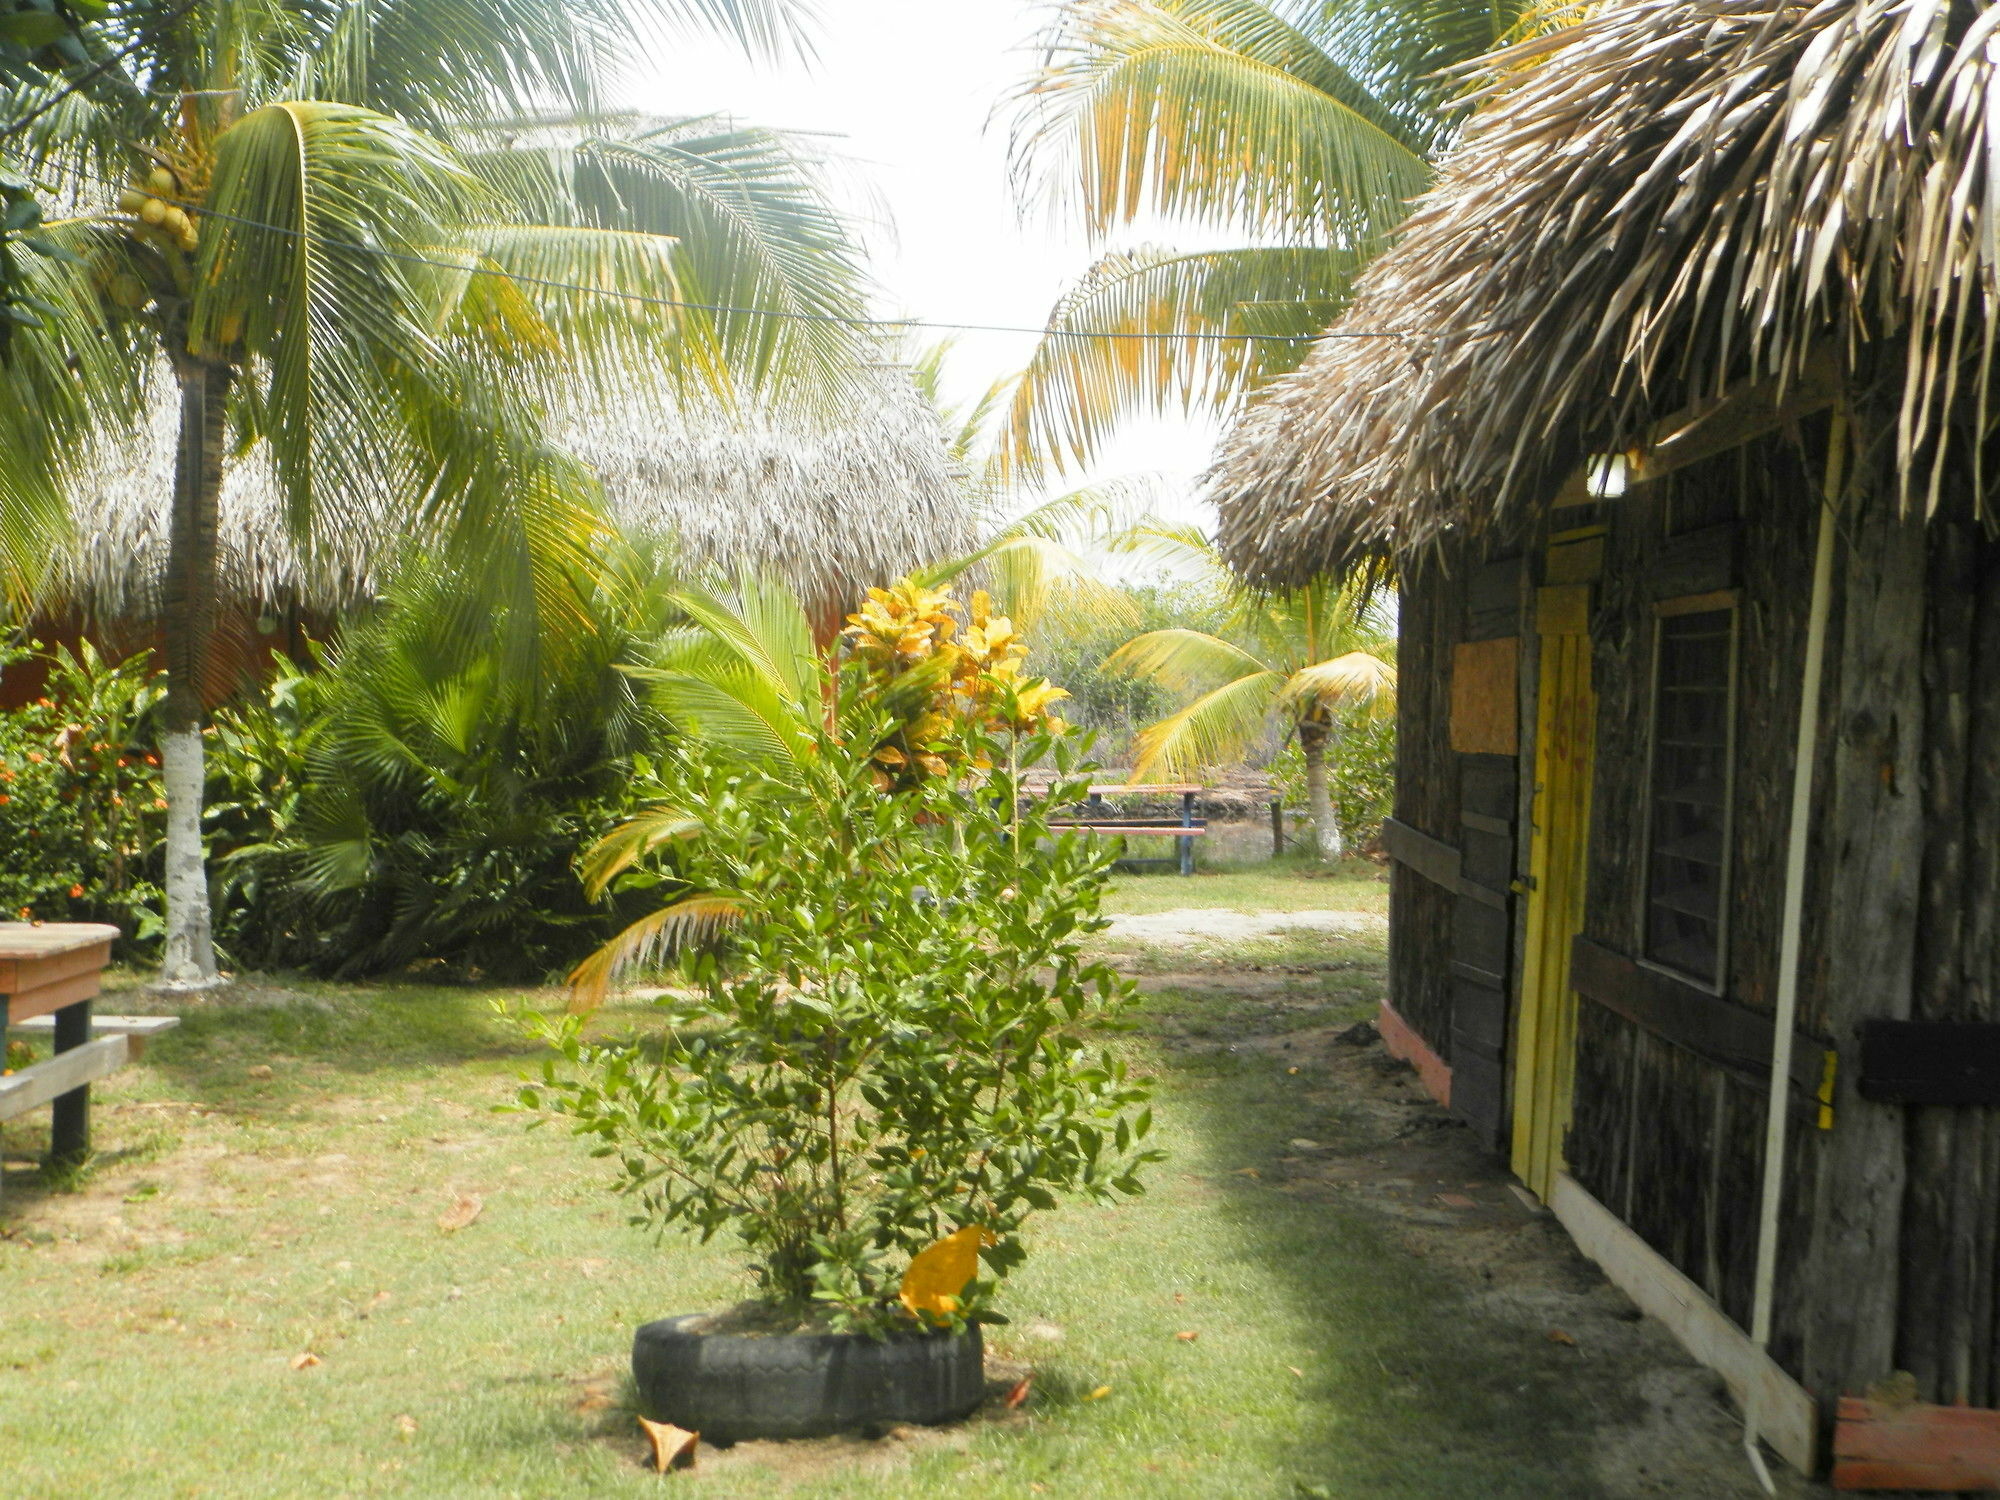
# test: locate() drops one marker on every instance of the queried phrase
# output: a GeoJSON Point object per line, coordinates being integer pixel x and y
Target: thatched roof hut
{"type": "Point", "coordinates": [832, 505]}
{"type": "Point", "coordinates": [1650, 209]}
{"type": "Point", "coordinates": [1674, 407]}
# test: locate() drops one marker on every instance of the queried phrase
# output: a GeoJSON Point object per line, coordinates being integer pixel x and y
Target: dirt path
{"type": "Point", "coordinates": [1449, 1203]}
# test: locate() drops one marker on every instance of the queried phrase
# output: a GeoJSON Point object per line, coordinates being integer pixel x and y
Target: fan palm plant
{"type": "Point", "coordinates": [1306, 125]}
{"type": "Point", "coordinates": [373, 243]}
{"type": "Point", "coordinates": [1304, 661]}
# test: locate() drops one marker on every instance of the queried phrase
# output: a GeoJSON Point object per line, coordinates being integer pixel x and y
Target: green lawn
{"type": "Point", "coordinates": [240, 1219]}
{"type": "Point", "coordinates": [1291, 884]}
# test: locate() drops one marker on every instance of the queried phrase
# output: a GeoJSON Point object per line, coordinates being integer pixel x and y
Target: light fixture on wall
{"type": "Point", "coordinates": [1608, 475]}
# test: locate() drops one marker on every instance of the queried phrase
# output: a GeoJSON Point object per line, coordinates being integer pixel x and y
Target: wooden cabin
{"type": "Point", "coordinates": [1671, 411]}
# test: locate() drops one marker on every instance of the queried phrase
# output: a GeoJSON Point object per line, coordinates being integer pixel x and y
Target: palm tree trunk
{"type": "Point", "coordinates": [1314, 740]}
{"type": "Point", "coordinates": [188, 618]}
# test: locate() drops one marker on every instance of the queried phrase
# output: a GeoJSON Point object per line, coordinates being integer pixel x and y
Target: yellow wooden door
{"type": "Point", "coordinates": [1545, 1034]}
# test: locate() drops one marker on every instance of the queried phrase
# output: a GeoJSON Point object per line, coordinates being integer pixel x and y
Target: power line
{"type": "Point", "coordinates": [647, 298]}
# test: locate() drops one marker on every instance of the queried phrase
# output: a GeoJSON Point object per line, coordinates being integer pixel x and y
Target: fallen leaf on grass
{"type": "Point", "coordinates": [673, 1447]}
{"type": "Point", "coordinates": [1017, 1394]}
{"type": "Point", "coordinates": [1296, 1371]}
{"type": "Point", "coordinates": [1189, 1336]}
{"type": "Point", "coordinates": [1099, 1394]}
{"type": "Point", "coordinates": [406, 1426]}
{"type": "Point", "coordinates": [596, 1397]}
{"type": "Point", "coordinates": [262, 1070]}
{"type": "Point", "coordinates": [1246, 1172]}
{"type": "Point", "coordinates": [305, 1360]}
{"type": "Point", "coordinates": [463, 1212]}
{"type": "Point", "coordinates": [1557, 1336]}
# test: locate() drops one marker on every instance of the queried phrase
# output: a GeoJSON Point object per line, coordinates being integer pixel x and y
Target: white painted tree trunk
{"type": "Point", "coordinates": [1313, 741]}
{"type": "Point", "coordinates": [189, 960]}
{"type": "Point", "coordinates": [189, 614]}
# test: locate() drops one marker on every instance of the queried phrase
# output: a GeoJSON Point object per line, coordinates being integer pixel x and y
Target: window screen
{"type": "Point", "coordinates": [1688, 847]}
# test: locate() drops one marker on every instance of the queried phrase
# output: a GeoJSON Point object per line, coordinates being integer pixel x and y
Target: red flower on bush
{"type": "Point", "coordinates": [75, 891]}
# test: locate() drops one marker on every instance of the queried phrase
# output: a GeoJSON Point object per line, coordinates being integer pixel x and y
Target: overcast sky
{"type": "Point", "coordinates": [907, 90]}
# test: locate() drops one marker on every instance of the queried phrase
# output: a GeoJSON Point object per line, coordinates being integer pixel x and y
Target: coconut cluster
{"type": "Point", "coordinates": [148, 202]}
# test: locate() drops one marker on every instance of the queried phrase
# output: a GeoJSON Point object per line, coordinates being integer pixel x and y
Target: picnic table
{"type": "Point", "coordinates": [1186, 828]}
{"type": "Point", "coordinates": [49, 975]}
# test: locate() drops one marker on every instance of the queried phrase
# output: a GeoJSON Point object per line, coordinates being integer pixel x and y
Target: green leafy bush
{"type": "Point", "coordinates": [80, 799]}
{"type": "Point", "coordinates": [424, 799]}
{"type": "Point", "coordinates": [892, 1033]}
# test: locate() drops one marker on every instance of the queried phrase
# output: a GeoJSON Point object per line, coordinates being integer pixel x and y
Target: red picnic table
{"type": "Point", "coordinates": [49, 974]}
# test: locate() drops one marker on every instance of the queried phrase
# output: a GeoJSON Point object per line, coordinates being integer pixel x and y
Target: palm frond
{"type": "Point", "coordinates": [1221, 110]}
{"type": "Point", "coordinates": [632, 841]}
{"type": "Point", "coordinates": [686, 923]}
{"type": "Point", "coordinates": [1184, 659]}
{"type": "Point", "coordinates": [1215, 729]}
{"type": "Point", "coordinates": [1076, 390]}
{"type": "Point", "coordinates": [1359, 679]}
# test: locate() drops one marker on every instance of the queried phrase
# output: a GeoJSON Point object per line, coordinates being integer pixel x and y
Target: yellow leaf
{"type": "Point", "coordinates": [461, 1213]}
{"type": "Point", "coordinates": [304, 1360]}
{"type": "Point", "coordinates": [673, 1447]}
{"type": "Point", "coordinates": [939, 1272]}
{"type": "Point", "coordinates": [1099, 1394]}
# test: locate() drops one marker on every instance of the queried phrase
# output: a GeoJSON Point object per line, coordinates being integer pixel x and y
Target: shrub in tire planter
{"type": "Point", "coordinates": [889, 1051]}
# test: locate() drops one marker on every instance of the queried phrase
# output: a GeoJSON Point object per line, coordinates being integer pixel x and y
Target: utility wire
{"type": "Point", "coordinates": [647, 298]}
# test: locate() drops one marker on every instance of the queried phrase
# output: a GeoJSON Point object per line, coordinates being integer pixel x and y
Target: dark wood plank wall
{"type": "Point", "coordinates": [1946, 1316]}
{"type": "Point", "coordinates": [1430, 622]}
{"type": "Point", "coordinates": [1452, 940]}
{"type": "Point", "coordinates": [1668, 1122]}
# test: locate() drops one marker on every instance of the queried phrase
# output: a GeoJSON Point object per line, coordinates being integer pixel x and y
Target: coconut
{"type": "Point", "coordinates": [131, 200]}
{"type": "Point", "coordinates": [153, 211]}
{"type": "Point", "coordinates": [160, 180]}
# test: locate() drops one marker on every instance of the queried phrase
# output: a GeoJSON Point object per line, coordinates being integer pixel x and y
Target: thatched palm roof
{"type": "Point", "coordinates": [1672, 197]}
{"type": "Point", "coordinates": [832, 506]}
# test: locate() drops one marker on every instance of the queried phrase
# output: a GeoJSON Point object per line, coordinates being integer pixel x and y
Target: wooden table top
{"type": "Point", "coordinates": [1180, 787]}
{"type": "Point", "coordinates": [31, 940]}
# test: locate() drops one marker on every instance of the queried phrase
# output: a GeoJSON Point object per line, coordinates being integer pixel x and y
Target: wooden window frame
{"type": "Point", "coordinates": [1730, 600]}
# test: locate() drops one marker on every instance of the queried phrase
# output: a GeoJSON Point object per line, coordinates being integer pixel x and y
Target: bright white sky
{"type": "Point", "coordinates": [904, 89]}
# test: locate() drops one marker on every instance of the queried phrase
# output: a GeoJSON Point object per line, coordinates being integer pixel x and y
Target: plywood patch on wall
{"type": "Point", "coordinates": [1484, 713]}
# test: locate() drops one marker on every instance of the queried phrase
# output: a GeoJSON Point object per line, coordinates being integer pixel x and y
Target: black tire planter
{"type": "Point", "coordinates": [732, 1387]}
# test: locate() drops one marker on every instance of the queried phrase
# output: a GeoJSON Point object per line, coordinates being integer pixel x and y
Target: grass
{"type": "Point", "coordinates": [1291, 884]}
{"type": "Point", "coordinates": [271, 1185]}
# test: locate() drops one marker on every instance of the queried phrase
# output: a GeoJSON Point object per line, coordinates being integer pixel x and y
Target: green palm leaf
{"type": "Point", "coordinates": [1216, 728]}
{"type": "Point", "coordinates": [1160, 105]}
{"type": "Point", "coordinates": [1076, 390]}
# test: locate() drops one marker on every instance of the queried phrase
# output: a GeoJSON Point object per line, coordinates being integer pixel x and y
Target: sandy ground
{"type": "Point", "coordinates": [1455, 1205]}
{"type": "Point", "coordinates": [1169, 929]}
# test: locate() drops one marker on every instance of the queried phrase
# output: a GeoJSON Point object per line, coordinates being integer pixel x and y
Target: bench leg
{"type": "Point", "coordinates": [69, 1133]}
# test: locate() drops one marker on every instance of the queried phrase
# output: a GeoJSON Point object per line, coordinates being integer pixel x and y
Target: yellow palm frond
{"type": "Point", "coordinates": [1218, 727]}
{"type": "Point", "coordinates": [1359, 679]}
{"type": "Point", "coordinates": [657, 935]}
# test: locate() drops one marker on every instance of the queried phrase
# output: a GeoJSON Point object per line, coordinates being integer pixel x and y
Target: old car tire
{"type": "Point", "coordinates": [731, 1387]}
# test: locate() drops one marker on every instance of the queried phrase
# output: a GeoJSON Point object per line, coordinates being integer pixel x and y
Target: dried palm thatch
{"type": "Point", "coordinates": [830, 506]}
{"type": "Point", "coordinates": [1673, 196]}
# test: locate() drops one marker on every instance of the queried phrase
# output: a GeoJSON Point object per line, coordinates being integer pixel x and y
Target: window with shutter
{"type": "Point", "coordinates": [1687, 864]}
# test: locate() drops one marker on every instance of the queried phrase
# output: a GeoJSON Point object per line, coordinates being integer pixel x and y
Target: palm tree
{"type": "Point", "coordinates": [1306, 125]}
{"type": "Point", "coordinates": [368, 242]}
{"type": "Point", "coordinates": [1307, 660]}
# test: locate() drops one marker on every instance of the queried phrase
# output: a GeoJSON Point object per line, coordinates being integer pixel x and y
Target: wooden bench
{"type": "Point", "coordinates": [49, 974]}
{"type": "Point", "coordinates": [1098, 818]}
